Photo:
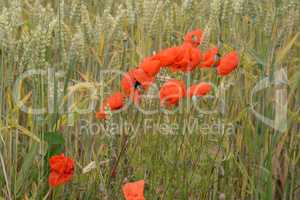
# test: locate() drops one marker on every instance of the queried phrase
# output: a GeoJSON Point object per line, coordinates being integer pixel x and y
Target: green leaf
{"type": "Point", "coordinates": [53, 138]}
{"type": "Point", "coordinates": [56, 144]}
{"type": "Point", "coordinates": [55, 150]}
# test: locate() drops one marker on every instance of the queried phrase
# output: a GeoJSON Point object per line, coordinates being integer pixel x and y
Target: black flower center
{"type": "Point", "coordinates": [137, 85]}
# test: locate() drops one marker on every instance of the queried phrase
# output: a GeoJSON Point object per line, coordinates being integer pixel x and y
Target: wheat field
{"type": "Point", "coordinates": [60, 58]}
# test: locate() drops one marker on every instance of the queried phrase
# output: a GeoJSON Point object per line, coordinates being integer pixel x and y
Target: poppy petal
{"type": "Point", "coordinates": [194, 37]}
{"type": "Point", "coordinates": [171, 92]}
{"type": "Point", "coordinates": [210, 58]}
{"type": "Point", "coordinates": [134, 190]}
{"type": "Point", "coordinates": [188, 58]}
{"type": "Point", "coordinates": [199, 89]}
{"type": "Point", "coordinates": [167, 57]}
{"type": "Point", "coordinates": [228, 63]}
{"type": "Point", "coordinates": [127, 83]}
{"type": "Point", "coordinates": [61, 170]}
{"type": "Point", "coordinates": [143, 79]}
{"type": "Point", "coordinates": [116, 101]}
{"type": "Point", "coordinates": [150, 66]}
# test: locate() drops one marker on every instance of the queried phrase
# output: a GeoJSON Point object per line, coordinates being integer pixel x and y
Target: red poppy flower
{"type": "Point", "coordinates": [188, 59]}
{"type": "Point", "coordinates": [194, 37]}
{"type": "Point", "coordinates": [150, 66]}
{"type": "Point", "coordinates": [114, 102]}
{"type": "Point", "coordinates": [182, 60]}
{"type": "Point", "coordinates": [171, 92]}
{"type": "Point", "coordinates": [135, 79]}
{"type": "Point", "coordinates": [199, 89]}
{"type": "Point", "coordinates": [127, 83]}
{"type": "Point", "coordinates": [228, 63]}
{"type": "Point", "coordinates": [210, 58]}
{"type": "Point", "coordinates": [184, 54]}
{"type": "Point", "coordinates": [61, 170]}
{"type": "Point", "coordinates": [167, 56]}
{"type": "Point", "coordinates": [134, 190]}
{"type": "Point", "coordinates": [142, 79]}
{"type": "Point", "coordinates": [101, 114]}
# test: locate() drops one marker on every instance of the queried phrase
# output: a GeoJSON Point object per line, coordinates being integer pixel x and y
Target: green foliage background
{"type": "Point", "coordinates": [83, 37]}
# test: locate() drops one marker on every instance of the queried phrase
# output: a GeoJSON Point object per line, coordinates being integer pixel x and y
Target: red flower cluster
{"type": "Point", "coordinates": [185, 58]}
{"type": "Point", "coordinates": [134, 191]}
{"type": "Point", "coordinates": [61, 170]}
